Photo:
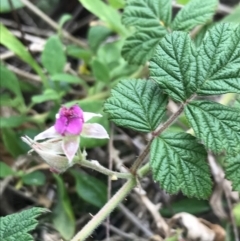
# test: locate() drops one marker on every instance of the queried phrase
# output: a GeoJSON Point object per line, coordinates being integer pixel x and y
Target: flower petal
{"type": "Point", "coordinates": [94, 130]}
{"type": "Point", "coordinates": [74, 126]}
{"type": "Point", "coordinates": [56, 162]}
{"type": "Point", "coordinates": [61, 124]}
{"type": "Point", "coordinates": [52, 145]}
{"type": "Point", "coordinates": [77, 111]}
{"type": "Point", "coordinates": [49, 133]}
{"type": "Point", "coordinates": [89, 115]}
{"type": "Point", "coordinates": [70, 146]}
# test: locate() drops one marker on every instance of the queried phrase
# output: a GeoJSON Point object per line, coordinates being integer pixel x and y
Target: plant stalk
{"type": "Point", "coordinates": [105, 211]}
{"type": "Point", "coordinates": [95, 165]}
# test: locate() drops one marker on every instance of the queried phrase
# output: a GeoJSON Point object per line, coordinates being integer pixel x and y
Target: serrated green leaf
{"type": "Point", "coordinates": [179, 163]}
{"type": "Point", "coordinates": [137, 104]}
{"type": "Point", "coordinates": [6, 7]}
{"type": "Point", "coordinates": [96, 35]}
{"type": "Point", "coordinates": [196, 12]}
{"type": "Point", "coordinates": [232, 170]}
{"type": "Point", "coordinates": [198, 39]}
{"type": "Point", "coordinates": [63, 220]}
{"type": "Point", "coordinates": [140, 47]}
{"type": "Point", "coordinates": [173, 64]}
{"type": "Point", "coordinates": [12, 43]}
{"type": "Point", "coordinates": [147, 13]}
{"type": "Point", "coordinates": [106, 13]}
{"type": "Point", "coordinates": [16, 226]}
{"type": "Point", "coordinates": [36, 178]}
{"type": "Point", "coordinates": [218, 61]}
{"type": "Point", "coordinates": [150, 19]}
{"type": "Point", "coordinates": [218, 126]}
{"type": "Point", "coordinates": [90, 189]}
{"type": "Point", "coordinates": [53, 57]}
{"type": "Point", "coordinates": [5, 170]}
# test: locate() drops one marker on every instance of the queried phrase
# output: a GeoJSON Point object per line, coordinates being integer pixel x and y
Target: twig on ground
{"type": "Point", "coordinates": [24, 74]}
{"type": "Point", "coordinates": [4, 183]}
{"type": "Point", "coordinates": [29, 29]}
{"type": "Point", "coordinates": [52, 23]}
{"type": "Point", "coordinates": [6, 55]}
{"type": "Point", "coordinates": [29, 37]}
{"type": "Point", "coordinates": [120, 232]}
{"type": "Point", "coordinates": [154, 210]}
{"type": "Point", "coordinates": [218, 175]}
{"type": "Point", "coordinates": [233, 221]}
{"type": "Point", "coordinates": [134, 219]}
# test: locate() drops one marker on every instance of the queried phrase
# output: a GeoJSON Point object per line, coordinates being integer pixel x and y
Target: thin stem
{"type": "Point", "coordinates": [105, 211]}
{"type": "Point", "coordinates": [157, 132]}
{"type": "Point", "coordinates": [141, 158]}
{"type": "Point", "coordinates": [165, 125]}
{"type": "Point", "coordinates": [144, 170]}
{"type": "Point", "coordinates": [95, 165]}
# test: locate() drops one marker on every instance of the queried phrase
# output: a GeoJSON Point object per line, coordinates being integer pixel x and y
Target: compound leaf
{"type": "Point", "coordinates": [150, 18]}
{"type": "Point", "coordinates": [218, 61]}
{"type": "Point", "coordinates": [196, 12]}
{"type": "Point", "coordinates": [218, 126]}
{"type": "Point", "coordinates": [178, 163]}
{"type": "Point", "coordinates": [173, 64]}
{"type": "Point", "coordinates": [233, 171]}
{"type": "Point", "coordinates": [16, 226]}
{"type": "Point", "coordinates": [137, 104]}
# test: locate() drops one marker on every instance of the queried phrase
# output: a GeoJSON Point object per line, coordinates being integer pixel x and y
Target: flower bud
{"type": "Point", "coordinates": [51, 152]}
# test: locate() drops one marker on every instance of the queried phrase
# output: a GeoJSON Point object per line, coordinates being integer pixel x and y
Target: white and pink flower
{"type": "Point", "coordinates": [69, 126]}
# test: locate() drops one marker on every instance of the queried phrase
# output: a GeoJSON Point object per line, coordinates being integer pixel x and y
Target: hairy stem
{"type": "Point", "coordinates": [105, 211]}
{"type": "Point", "coordinates": [164, 126]}
{"type": "Point", "coordinates": [141, 158]}
{"type": "Point", "coordinates": [95, 165]}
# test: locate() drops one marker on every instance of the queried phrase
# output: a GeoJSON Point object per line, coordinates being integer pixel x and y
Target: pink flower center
{"type": "Point", "coordinates": [70, 121]}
